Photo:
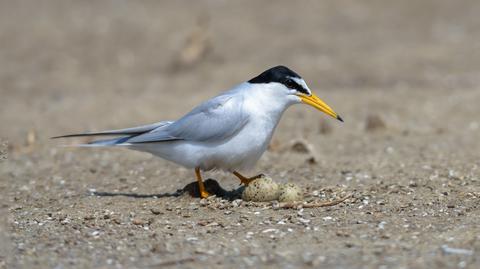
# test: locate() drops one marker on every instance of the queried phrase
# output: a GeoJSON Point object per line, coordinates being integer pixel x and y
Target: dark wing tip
{"type": "Point", "coordinates": [86, 134]}
{"type": "Point", "coordinates": [61, 136]}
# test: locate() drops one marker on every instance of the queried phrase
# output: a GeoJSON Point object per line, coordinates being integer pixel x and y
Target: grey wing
{"type": "Point", "coordinates": [216, 119]}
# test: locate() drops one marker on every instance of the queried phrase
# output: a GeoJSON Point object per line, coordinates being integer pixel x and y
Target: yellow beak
{"type": "Point", "coordinates": [317, 103]}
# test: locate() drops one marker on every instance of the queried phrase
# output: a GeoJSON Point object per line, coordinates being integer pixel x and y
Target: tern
{"type": "Point", "coordinates": [229, 132]}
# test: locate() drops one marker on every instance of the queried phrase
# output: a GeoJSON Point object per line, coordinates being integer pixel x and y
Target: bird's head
{"type": "Point", "coordinates": [288, 82]}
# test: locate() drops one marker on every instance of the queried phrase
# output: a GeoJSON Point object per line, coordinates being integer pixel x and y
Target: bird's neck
{"type": "Point", "coordinates": [265, 105]}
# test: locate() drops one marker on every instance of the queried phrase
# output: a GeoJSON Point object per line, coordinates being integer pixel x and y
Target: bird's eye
{"type": "Point", "coordinates": [290, 84]}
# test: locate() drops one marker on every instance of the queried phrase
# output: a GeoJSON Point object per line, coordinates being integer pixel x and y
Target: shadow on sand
{"type": "Point", "coordinates": [211, 185]}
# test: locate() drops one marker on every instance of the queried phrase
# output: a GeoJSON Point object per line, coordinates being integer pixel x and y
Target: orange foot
{"type": "Point", "coordinates": [201, 187]}
{"type": "Point", "coordinates": [246, 180]}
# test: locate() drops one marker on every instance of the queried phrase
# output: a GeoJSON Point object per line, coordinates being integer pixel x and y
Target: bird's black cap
{"type": "Point", "coordinates": [275, 74]}
{"type": "Point", "coordinates": [280, 74]}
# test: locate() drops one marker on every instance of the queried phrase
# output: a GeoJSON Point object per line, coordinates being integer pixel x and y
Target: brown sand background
{"type": "Point", "coordinates": [404, 75]}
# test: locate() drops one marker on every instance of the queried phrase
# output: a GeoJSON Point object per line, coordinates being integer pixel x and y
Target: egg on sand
{"type": "Point", "coordinates": [264, 189]}
{"type": "Point", "coordinates": [290, 192]}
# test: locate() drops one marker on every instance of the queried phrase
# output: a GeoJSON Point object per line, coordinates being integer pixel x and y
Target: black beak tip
{"type": "Point", "coordinates": [339, 118]}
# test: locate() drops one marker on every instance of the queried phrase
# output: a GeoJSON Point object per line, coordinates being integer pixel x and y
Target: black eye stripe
{"type": "Point", "coordinates": [290, 83]}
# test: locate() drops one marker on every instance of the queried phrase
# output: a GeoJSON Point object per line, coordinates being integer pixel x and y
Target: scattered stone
{"type": "Point", "coordinates": [311, 160]}
{"type": "Point", "coordinates": [325, 127]}
{"type": "Point", "coordinates": [374, 123]}
{"type": "Point", "coordinates": [95, 233]}
{"type": "Point", "coordinates": [304, 221]}
{"type": "Point", "coordinates": [206, 222]}
{"type": "Point", "coordinates": [138, 222]}
{"type": "Point", "coordinates": [155, 211]}
{"type": "Point", "coordinates": [301, 146]}
{"type": "Point", "coordinates": [3, 150]}
{"type": "Point", "coordinates": [237, 202]}
{"type": "Point", "coordinates": [89, 217]}
{"type": "Point", "coordinates": [271, 230]}
{"type": "Point", "coordinates": [31, 138]}
{"type": "Point", "coordinates": [342, 234]}
{"type": "Point", "coordinates": [459, 251]}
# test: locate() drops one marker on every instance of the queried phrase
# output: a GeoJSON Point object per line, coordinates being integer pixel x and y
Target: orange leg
{"type": "Point", "coordinates": [246, 180]}
{"type": "Point", "coordinates": [201, 187]}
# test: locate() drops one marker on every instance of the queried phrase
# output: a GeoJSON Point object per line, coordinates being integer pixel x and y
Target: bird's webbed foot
{"type": "Point", "coordinates": [246, 180]}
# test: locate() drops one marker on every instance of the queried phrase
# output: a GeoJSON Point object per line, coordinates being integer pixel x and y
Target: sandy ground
{"type": "Point", "coordinates": [404, 75]}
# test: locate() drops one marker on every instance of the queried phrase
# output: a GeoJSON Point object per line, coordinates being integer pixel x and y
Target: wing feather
{"type": "Point", "coordinates": [128, 131]}
{"type": "Point", "coordinates": [214, 120]}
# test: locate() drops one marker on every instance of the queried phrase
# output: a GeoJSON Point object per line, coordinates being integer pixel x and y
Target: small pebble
{"type": "Point", "coordinates": [311, 160]}
{"type": "Point", "coordinates": [138, 222]}
{"type": "Point", "coordinates": [325, 127]}
{"type": "Point", "coordinates": [95, 233]}
{"type": "Point", "coordinates": [374, 123]}
{"type": "Point", "coordinates": [236, 202]}
{"type": "Point", "coordinates": [155, 211]}
{"type": "Point", "coordinates": [301, 146]}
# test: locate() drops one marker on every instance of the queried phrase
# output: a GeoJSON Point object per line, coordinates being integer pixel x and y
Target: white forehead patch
{"type": "Point", "coordinates": [302, 83]}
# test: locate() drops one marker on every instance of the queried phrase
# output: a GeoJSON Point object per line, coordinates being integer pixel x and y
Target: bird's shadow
{"type": "Point", "coordinates": [211, 186]}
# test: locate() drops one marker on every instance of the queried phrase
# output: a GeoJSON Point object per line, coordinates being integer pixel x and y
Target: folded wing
{"type": "Point", "coordinates": [215, 120]}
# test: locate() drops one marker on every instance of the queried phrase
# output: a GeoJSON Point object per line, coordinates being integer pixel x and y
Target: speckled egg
{"type": "Point", "coordinates": [289, 192]}
{"type": "Point", "coordinates": [263, 189]}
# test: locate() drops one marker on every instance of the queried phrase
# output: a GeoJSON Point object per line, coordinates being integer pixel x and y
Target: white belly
{"type": "Point", "coordinates": [239, 152]}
